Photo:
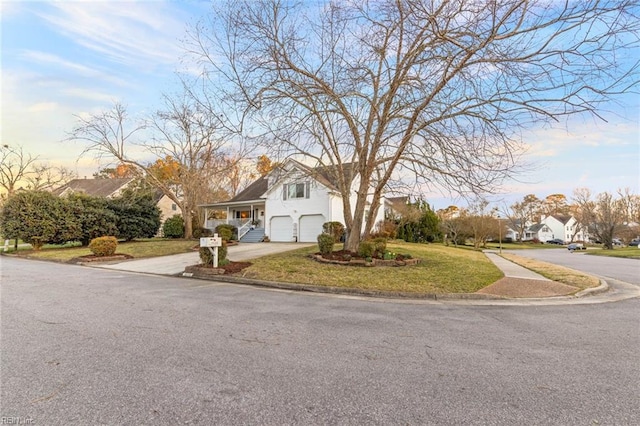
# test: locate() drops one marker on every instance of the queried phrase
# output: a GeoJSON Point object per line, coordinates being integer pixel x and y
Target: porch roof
{"type": "Point", "coordinates": [250, 195]}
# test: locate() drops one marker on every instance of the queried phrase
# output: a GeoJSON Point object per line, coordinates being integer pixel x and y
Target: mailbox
{"type": "Point", "coordinates": [214, 241]}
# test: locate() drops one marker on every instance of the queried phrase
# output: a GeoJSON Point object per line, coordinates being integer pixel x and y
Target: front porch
{"type": "Point", "coordinates": [244, 216]}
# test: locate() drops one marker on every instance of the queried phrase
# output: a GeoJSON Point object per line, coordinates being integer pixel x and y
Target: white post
{"type": "Point", "coordinates": [6, 245]}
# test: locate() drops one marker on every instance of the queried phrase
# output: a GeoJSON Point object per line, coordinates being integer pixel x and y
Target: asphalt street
{"type": "Point", "coordinates": [96, 346]}
{"type": "Point", "coordinates": [627, 270]}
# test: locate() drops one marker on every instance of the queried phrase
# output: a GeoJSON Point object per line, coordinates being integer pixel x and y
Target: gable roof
{"type": "Point", "coordinates": [252, 192]}
{"type": "Point", "coordinates": [325, 175]}
{"type": "Point", "coordinates": [93, 187]}
{"type": "Point", "coordinates": [536, 227]}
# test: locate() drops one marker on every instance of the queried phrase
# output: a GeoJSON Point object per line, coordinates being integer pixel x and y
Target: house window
{"type": "Point", "coordinates": [296, 190]}
{"type": "Point", "coordinates": [174, 207]}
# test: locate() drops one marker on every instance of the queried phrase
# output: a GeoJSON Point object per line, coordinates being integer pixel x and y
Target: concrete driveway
{"type": "Point", "coordinates": [175, 264]}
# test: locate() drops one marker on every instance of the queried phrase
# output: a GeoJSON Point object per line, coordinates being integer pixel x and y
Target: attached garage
{"type": "Point", "coordinates": [281, 229]}
{"type": "Point", "coordinates": [310, 227]}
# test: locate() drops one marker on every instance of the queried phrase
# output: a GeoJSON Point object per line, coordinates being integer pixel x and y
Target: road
{"type": "Point", "coordinates": [626, 270]}
{"type": "Point", "coordinates": [95, 346]}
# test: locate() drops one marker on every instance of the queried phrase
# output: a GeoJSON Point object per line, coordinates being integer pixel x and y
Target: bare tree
{"type": "Point", "coordinates": [45, 177]}
{"type": "Point", "coordinates": [15, 167]}
{"type": "Point", "coordinates": [438, 89]}
{"type": "Point", "coordinates": [184, 131]}
{"type": "Point", "coordinates": [604, 215]}
{"type": "Point", "coordinates": [522, 214]}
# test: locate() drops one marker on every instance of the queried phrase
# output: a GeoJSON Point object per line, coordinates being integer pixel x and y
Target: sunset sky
{"type": "Point", "coordinates": [69, 58]}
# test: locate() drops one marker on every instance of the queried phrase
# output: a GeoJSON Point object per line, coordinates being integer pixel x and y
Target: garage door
{"type": "Point", "coordinates": [281, 229]}
{"type": "Point", "coordinates": [310, 227]}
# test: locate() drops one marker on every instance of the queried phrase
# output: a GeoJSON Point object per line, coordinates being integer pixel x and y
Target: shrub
{"type": "Point", "coordinates": [379, 246]}
{"type": "Point", "coordinates": [103, 246]}
{"type": "Point", "coordinates": [335, 229]}
{"type": "Point", "coordinates": [366, 249]}
{"type": "Point", "coordinates": [226, 232]}
{"type": "Point", "coordinates": [201, 232]}
{"type": "Point", "coordinates": [206, 257]}
{"type": "Point", "coordinates": [325, 243]}
{"type": "Point", "coordinates": [39, 217]}
{"type": "Point", "coordinates": [173, 227]}
{"type": "Point", "coordinates": [136, 215]}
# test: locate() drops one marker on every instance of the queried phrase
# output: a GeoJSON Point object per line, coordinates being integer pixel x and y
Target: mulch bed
{"type": "Point", "coordinates": [229, 268]}
{"type": "Point", "coordinates": [94, 258]}
{"type": "Point", "coordinates": [345, 257]}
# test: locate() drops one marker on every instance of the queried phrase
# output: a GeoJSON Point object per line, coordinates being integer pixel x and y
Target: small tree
{"type": "Point", "coordinates": [173, 227]}
{"type": "Point", "coordinates": [137, 215]}
{"type": "Point", "coordinates": [39, 217]}
{"type": "Point", "coordinates": [94, 218]}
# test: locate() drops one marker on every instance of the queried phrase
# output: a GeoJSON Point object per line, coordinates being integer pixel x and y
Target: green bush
{"type": "Point", "coordinates": [173, 227]}
{"type": "Point", "coordinates": [335, 229]}
{"type": "Point", "coordinates": [103, 246]}
{"type": "Point", "coordinates": [39, 217]}
{"type": "Point", "coordinates": [379, 246]}
{"type": "Point", "coordinates": [199, 232]}
{"type": "Point", "coordinates": [136, 215]}
{"type": "Point", "coordinates": [325, 243]}
{"type": "Point", "coordinates": [366, 249]}
{"type": "Point", "coordinates": [226, 232]}
{"type": "Point", "coordinates": [206, 257]}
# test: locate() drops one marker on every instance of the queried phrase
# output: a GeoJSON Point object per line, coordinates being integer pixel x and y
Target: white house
{"type": "Point", "coordinates": [289, 204]}
{"type": "Point", "coordinates": [565, 228]}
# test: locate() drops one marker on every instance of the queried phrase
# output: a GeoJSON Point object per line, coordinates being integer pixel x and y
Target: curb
{"type": "Point", "coordinates": [602, 288]}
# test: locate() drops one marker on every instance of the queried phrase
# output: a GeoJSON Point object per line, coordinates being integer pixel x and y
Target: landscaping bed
{"type": "Point", "coordinates": [349, 258]}
{"type": "Point", "coordinates": [228, 269]}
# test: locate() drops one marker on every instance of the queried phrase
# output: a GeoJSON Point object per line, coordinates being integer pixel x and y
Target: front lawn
{"type": "Point", "coordinates": [626, 252]}
{"type": "Point", "coordinates": [443, 270]}
{"type": "Point", "coordinates": [138, 249]}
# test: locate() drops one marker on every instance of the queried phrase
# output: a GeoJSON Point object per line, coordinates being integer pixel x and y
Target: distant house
{"type": "Point", "coordinates": [111, 188]}
{"type": "Point", "coordinates": [565, 228]}
{"type": "Point", "coordinates": [107, 188]}
{"type": "Point", "coordinates": [289, 204]}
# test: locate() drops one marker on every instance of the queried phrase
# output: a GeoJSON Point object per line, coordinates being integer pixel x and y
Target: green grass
{"type": "Point", "coordinates": [511, 246]}
{"type": "Point", "coordinates": [625, 252]}
{"type": "Point", "coordinates": [555, 272]}
{"type": "Point", "coordinates": [138, 249]}
{"type": "Point", "coordinates": [443, 270]}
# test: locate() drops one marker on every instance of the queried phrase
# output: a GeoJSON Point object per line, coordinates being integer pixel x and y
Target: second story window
{"type": "Point", "coordinates": [296, 190]}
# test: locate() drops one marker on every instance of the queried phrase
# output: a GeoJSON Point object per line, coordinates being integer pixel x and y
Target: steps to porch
{"type": "Point", "coordinates": [254, 235]}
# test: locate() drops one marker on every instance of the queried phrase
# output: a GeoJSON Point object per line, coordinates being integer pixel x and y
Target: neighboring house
{"type": "Point", "coordinates": [111, 188]}
{"type": "Point", "coordinates": [107, 188]}
{"type": "Point", "coordinates": [565, 228]}
{"type": "Point", "coordinates": [540, 232]}
{"type": "Point", "coordinates": [289, 204]}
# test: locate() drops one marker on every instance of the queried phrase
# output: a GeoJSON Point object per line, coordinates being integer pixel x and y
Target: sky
{"type": "Point", "coordinates": [64, 59]}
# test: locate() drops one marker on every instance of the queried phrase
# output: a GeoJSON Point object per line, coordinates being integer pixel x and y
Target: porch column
{"type": "Point", "coordinates": [227, 215]}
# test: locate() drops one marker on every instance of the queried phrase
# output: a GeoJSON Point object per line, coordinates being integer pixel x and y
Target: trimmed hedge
{"type": "Point", "coordinates": [103, 246]}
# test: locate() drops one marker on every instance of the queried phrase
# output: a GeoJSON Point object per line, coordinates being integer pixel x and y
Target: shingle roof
{"type": "Point", "coordinates": [94, 187]}
{"type": "Point", "coordinates": [252, 192]}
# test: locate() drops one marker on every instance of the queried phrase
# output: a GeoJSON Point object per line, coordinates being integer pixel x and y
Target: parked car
{"type": "Point", "coordinates": [617, 242]}
{"type": "Point", "coordinates": [576, 246]}
{"type": "Point", "coordinates": [557, 241]}
{"type": "Point", "coordinates": [634, 243]}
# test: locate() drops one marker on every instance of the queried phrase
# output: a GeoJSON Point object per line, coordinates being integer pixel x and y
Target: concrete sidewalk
{"type": "Point", "coordinates": [512, 270]}
{"type": "Point", "coordinates": [175, 264]}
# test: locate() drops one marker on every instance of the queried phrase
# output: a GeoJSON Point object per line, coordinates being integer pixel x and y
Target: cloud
{"type": "Point", "coordinates": [43, 107]}
{"type": "Point", "coordinates": [129, 33]}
